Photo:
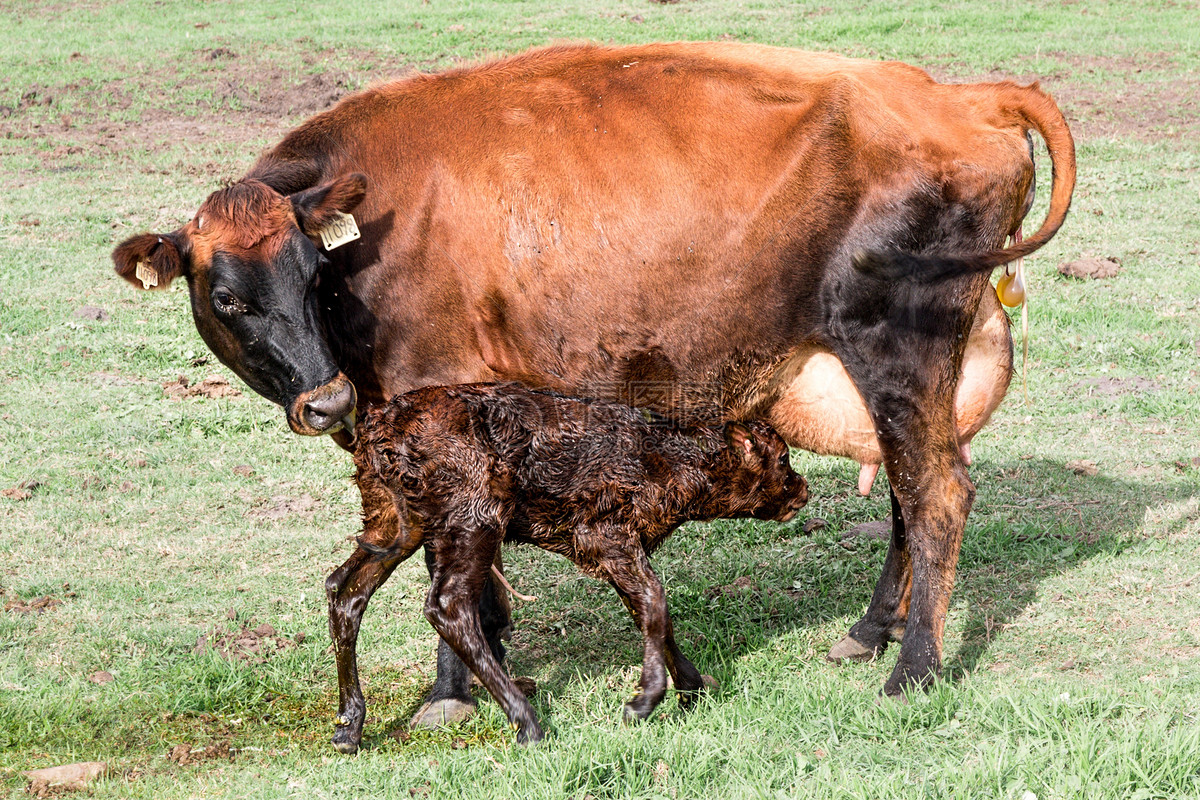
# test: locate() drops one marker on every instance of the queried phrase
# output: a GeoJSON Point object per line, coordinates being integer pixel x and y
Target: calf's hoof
{"type": "Point", "coordinates": [850, 649]}
{"type": "Point", "coordinates": [437, 713]}
{"type": "Point", "coordinates": [529, 734]}
{"type": "Point", "coordinates": [710, 683]}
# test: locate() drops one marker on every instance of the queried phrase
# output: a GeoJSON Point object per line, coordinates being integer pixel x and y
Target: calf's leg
{"type": "Point", "coordinates": [641, 591]}
{"type": "Point", "coordinates": [450, 698]}
{"type": "Point", "coordinates": [459, 565]}
{"type": "Point", "coordinates": [349, 589]}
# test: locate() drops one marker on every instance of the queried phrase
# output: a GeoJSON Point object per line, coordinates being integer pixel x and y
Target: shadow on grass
{"type": "Point", "coordinates": [1033, 519]}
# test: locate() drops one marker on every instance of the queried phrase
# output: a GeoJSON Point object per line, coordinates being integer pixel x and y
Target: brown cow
{"type": "Point", "coordinates": [686, 226]}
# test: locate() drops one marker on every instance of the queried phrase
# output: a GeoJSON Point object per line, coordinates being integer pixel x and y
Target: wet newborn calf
{"type": "Point", "coordinates": [462, 469]}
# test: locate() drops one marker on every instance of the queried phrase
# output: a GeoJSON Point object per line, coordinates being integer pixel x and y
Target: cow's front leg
{"type": "Point", "coordinates": [349, 589]}
{"type": "Point", "coordinates": [450, 700]}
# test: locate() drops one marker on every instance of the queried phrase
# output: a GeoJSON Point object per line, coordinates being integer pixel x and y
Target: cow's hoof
{"type": "Point", "coordinates": [850, 649]}
{"type": "Point", "coordinates": [710, 683]}
{"type": "Point", "coordinates": [437, 713]}
{"type": "Point", "coordinates": [346, 748]}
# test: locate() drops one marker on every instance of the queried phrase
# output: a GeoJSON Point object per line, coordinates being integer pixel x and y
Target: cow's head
{"type": "Point", "coordinates": [251, 263]}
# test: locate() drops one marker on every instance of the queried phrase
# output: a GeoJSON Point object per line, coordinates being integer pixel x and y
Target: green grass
{"type": "Point", "coordinates": [1072, 646]}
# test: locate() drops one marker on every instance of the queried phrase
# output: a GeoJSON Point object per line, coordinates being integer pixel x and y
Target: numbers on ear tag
{"type": "Point", "coordinates": [340, 230]}
{"type": "Point", "coordinates": [146, 274]}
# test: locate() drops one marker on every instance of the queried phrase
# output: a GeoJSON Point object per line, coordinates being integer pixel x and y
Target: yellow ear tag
{"type": "Point", "coordinates": [340, 230]}
{"type": "Point", "coordinates": [146, 274]}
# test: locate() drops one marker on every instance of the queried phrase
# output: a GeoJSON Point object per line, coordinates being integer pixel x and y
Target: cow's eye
{"type": "Point", "coordinates": [226, 303]}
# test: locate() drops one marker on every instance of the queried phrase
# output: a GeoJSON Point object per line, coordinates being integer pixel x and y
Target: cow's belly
{"type": "Point", "coordinates": [819, 409]}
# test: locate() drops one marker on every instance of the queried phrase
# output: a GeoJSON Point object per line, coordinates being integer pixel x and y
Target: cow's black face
{"type": "Point", "coordinates": [261, 320]}
{"type": "Point", "coordinates": [252, 271]}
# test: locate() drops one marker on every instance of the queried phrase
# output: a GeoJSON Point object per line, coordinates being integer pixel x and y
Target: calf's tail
{"type": "Point", "coordinates": [1033, 109]}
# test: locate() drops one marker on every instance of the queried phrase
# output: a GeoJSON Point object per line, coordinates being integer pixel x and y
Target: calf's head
{"type": "Point", "coordinates": [755, 479]}
{"type": "Point", "coordinates": [251, 263]}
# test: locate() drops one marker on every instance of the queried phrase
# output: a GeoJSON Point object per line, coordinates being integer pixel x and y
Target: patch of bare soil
{"type": "Point", "coordinates": [1114, 387]}
{"type": "Point", "coordinates": [211, 387]}
{"type": "Point", "coordinates": [184, 754]}
{"type": "Point", "coordinates": [250, 98]}
{"type": "Point", "coordinates": [1091, 268]}
{"type": "Point", "coordinates": [1142, 96]}
{"type": "Point", "coordinates": [281, 506]}
{"type": "Point", "coordinates": [252, 645]}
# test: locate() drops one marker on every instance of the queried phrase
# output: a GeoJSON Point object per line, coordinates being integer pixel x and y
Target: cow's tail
{"type": "Point", "coordinates": [1036, 110]}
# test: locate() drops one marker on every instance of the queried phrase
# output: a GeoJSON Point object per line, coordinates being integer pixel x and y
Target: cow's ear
{"type": "Point", "coordinates": [740, 438]}
{"type": "Point", "coordinates": [317, 207]}
{"type": "Point", "coordinates": [151, 260]}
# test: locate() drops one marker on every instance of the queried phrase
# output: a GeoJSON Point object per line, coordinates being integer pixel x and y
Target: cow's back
{"type": "Point", "coordinates": [657, 216]}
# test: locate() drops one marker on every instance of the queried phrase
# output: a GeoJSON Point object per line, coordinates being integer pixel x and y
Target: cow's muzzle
{"type": "Point", "coordinates": [325, 409]}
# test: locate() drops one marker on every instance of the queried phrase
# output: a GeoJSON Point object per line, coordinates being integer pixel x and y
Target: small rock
{"type": "Point", "coordinates": [814, 524]}
{"type": "Point", "coordinates": [244, 470]}
{"type": "Point", "coordinates": [92, 312]}
{"type": "Point", "coordinates": [456, 28]}
{"type": "Point", "coordinates": [70, 777]}
{"type": "Point", "coordinates": [102, 677]}
{"type": "Point", "coordinates": [1067, 665]}
{"type": "Point", "coordinates": [1091, 268]}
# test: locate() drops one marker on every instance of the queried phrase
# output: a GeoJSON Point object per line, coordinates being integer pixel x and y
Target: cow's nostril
{"type": "Point", "coordinates": [324, 411]}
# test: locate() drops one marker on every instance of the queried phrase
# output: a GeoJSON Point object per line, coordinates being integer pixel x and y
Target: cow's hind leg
{"type": "Point", "coordinates": [450, 700]}
{"type": "Point", "coordinates": [888, 613]}
{"type": "Point", "coordinates": [904, 356]}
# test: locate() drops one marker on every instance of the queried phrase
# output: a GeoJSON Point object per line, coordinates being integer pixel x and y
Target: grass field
{"type": "Point", "coordinates": [161, 585]}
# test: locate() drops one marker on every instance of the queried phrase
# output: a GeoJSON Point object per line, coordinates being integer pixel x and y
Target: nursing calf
{"type": "Point", "coordinates": [461, 469]}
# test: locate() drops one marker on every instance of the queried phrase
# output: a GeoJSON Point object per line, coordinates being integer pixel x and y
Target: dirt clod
{"type": "Point", "coordinates": [1091, 268]}
{"type": "Point", "coordinates": [243, 470]}
{"type": "Point", "coordinates": [92, 312]}
{"type": "Point", "coordinates": [1083, 467]}
{"type": "Point", "coordinates": [36, 605]}
{"type": "Point", "coordinates": [814, 524]}
{"type": "Point", "coordinates": [527, 685]}
{"type": "Point", "coordinates": [252, 645]}
{"type": "Point", "coordinates": [22, 491]}
{"type": "Point", "coordinates": [101, 677]}
{"type": "Point", "coordinates": [742, 584]}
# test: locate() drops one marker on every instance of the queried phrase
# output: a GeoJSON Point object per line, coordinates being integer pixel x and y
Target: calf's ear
{"type": "Point", "coordinates": [151, 260]}
{"type": "Point", "coordinates": [317, 207]}
{"type": "Point", "coordinates": [740, 438]}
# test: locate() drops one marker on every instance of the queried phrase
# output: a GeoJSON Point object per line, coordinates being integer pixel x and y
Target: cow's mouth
{"type": "Point", "coordinates": [327, 409]}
